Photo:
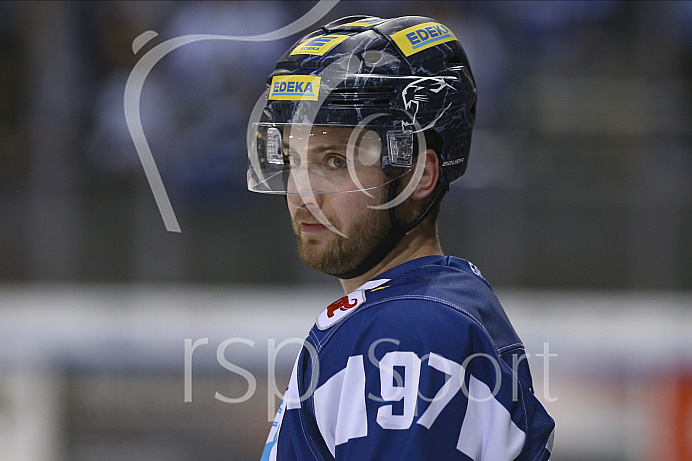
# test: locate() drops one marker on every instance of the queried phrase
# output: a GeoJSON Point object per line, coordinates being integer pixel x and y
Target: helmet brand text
{"type": "Point", "coordinates": [421, 37]}
{"type": "Point", "coordinates": [295, 87]}
{"type": "Point", "coordinates": [319, 45]}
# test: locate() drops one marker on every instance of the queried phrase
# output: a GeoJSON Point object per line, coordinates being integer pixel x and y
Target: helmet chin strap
{"type": "Point", "coordinates": [397, 231]}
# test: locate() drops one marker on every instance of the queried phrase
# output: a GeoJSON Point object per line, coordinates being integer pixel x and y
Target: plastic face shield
{"type": "Point", "coordinates": [322, 159]}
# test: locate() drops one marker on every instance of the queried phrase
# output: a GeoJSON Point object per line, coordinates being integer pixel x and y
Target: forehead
{"type": "Point", "coordinates": [318, 135]}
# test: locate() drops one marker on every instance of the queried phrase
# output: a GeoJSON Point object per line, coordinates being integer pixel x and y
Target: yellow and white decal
{"type": "Point", "coordinates": [295, 87]}
{"type": "Point", "coordinates": [365, 22]}
{"type": "Point", "coordinates": [421, 37]}
{"type": "Point", "coordinates": [319, 45]}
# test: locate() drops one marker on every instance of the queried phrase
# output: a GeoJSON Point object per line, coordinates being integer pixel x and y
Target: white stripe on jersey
{"type": "Point", "coordinates": [340, 405]}
{"type": "Point", "coordinates": [488, 432]}
{"type": "Point", "coordinates": [292, 395]}
{"type": "Point", "coordinates": [290, 401]}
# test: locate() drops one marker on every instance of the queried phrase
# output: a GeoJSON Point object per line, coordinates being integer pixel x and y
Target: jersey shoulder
{"type": "Point", "coordinates": [434, 295]}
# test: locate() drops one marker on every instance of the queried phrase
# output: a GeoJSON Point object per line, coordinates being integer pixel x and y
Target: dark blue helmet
{"type": "Point", "coordinates": [404, 77]}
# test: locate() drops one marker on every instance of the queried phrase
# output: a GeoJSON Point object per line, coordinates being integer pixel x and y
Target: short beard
{"type": "Point", "coordinates": [343, 254]}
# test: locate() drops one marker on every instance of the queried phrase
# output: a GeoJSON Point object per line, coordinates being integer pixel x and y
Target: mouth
{"type": "Point", "coordinates": [312, 228]}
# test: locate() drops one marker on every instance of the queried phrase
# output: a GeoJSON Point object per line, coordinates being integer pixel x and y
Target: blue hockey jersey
{"type": "Point", "coordinates": [421, 363]}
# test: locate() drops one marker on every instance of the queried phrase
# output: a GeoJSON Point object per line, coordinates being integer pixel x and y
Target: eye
{"type": "Point", "coordinates": [335, 162]}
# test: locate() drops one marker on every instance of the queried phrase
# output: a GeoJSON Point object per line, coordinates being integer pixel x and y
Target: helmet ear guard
{"type": "Point", "coordinates": [400, 148]}
{"type": "Point", "coordinates": [274, 153]}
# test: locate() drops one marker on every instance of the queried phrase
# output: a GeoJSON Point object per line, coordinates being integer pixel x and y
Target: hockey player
{"type": "Point", "coordinates": [366, 123]}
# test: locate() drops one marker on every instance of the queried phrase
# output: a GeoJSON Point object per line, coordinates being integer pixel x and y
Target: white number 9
{"type": "Point", "coordinates": [395, 388]}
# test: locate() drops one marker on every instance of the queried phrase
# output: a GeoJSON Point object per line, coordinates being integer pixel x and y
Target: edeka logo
{"type": "Point", "coordinates": [295, 87]}
{"type": "Point", "coordinates": [422, 36]}
{"type": "Point", "coordinates": [319, 45]}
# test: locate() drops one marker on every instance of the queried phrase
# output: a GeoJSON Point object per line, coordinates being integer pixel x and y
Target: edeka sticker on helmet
{"type": "Point", "coordinates": [421, 37]}
{"type": "Point", "coordinates": [367, 22]}
{"type": "Point", "coordinates": [295, 87]}
{"type": "Point", "coordinates": [319, 45]}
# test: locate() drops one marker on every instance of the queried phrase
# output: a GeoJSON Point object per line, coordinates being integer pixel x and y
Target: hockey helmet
{"type": "Point", "coordinates": [382, 89]}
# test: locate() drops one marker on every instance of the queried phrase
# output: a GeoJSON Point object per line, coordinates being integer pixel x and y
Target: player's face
{"type": "Point", "coordinates": [320, 218]}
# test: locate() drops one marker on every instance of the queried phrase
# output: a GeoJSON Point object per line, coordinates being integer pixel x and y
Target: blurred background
{"type": "Point", "coordinates": [118, 339]}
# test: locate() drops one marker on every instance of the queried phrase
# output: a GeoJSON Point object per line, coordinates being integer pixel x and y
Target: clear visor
{"type": "Point", "coordinates": [320, 159]}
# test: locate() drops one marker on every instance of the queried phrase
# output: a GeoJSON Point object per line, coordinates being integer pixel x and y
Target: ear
{"type": "Point", "coordinates": [431, 174]}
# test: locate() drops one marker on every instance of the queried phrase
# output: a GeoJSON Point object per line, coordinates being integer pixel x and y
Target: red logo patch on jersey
{"type": "Point", "coordinates": [342, 304]}
{"type": "Point", "coordinates": [340, 309]}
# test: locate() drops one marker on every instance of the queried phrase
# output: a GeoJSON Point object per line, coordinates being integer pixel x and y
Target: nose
{"type": "Point", "coordinates": [307, 200]}
{"type": "Point", "coordinates": [301, 190]}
